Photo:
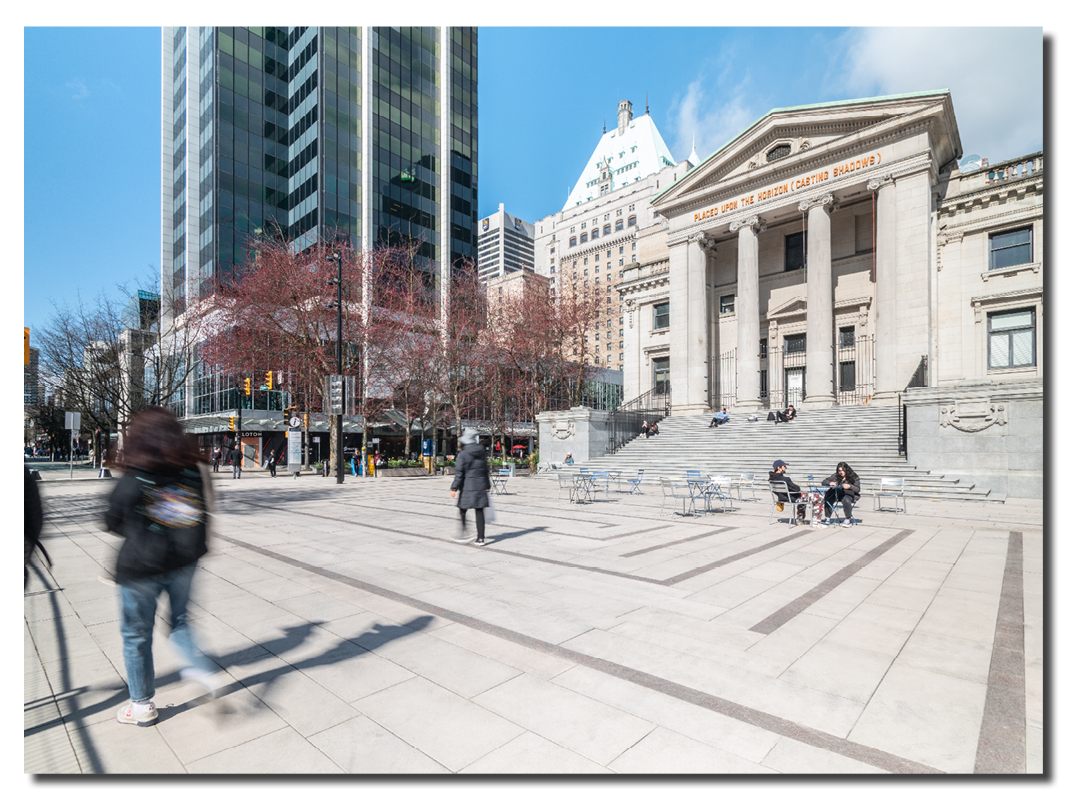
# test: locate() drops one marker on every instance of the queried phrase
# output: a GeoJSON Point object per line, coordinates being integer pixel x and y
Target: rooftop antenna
{"type": "Point", "coordinates": [646, 102]}
{"type": "Point", "coordinates": [605, 124]}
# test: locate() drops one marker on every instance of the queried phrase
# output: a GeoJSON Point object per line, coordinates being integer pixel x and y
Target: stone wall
{"type": "Point", "coordinates": [581, 431]}
{"type": "Point", "coordinates": [988, 433]}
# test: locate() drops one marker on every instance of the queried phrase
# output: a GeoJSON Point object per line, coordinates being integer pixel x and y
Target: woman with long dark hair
{"type": "Point", "coordinates": [844, 486]}
{"type": "Point", "coordinates": [472, 484]}
{"type": "Point", "coordinates": [160, 507]}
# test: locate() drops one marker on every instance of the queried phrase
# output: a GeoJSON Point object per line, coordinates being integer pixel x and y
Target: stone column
{"type": "Point", "coordinates": [747, 313]}
{"type": "Point", "coordinates": [688, 336]}
{"type": "Point", "coordinates": [820, 337]}
{"type": "Point", "coordinates": [885, 292]}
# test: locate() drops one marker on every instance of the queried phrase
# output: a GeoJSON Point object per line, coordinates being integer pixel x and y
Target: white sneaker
{"type": "Point", "coordinates": [463, 539]}
{"type": "Point", "coordinates": [846, 524]}
{"type": "Point", "coordinates": [138, 714]}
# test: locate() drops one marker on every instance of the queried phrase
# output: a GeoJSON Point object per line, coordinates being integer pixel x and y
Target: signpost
{"type": "Point", "coordinates": [73, 421]}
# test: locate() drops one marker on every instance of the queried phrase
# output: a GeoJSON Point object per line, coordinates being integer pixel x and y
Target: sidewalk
{"type": "Point", "coordinates": [600, 638]}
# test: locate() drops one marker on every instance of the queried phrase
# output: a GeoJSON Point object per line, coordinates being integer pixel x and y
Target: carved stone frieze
{"type": "Point", "coordinates": [972, 416]}
{"type": "Point", "coordinates": [562, 429]}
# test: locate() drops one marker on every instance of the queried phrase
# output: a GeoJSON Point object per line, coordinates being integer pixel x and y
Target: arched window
{"type": "Point", "coordinates": [779, 151]}
{"type": "Point", "coordinates": [618, 224]}
{"type": "Point", "coordinates": [574, 241]}
{"type": "Point", "coordinates": [607, 229]}
{"type": "Point", "coordinates": [596, 233]}
{"type": "Point", "coordinates": [631, 221]}
{"type": "Point", "coordinates": [585, 238]}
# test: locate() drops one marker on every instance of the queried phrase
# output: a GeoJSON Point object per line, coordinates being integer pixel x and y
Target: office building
{"type": "Point", "coordinates": [505, 245]}
{"type": "Point", "coordinates": [364, 134]}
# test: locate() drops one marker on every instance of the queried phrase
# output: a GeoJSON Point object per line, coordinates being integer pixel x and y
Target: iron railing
{"type": "Point", "coordinates": [624, 423]}
{"type": "Point", "coordinates": [902, 426]}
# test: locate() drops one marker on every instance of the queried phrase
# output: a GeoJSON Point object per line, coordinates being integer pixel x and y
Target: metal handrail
{"type": "Point", "coordinates": [624, 423]}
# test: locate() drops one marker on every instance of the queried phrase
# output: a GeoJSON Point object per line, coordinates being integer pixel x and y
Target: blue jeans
{"type": "Point", "coordinates": [138, 599]}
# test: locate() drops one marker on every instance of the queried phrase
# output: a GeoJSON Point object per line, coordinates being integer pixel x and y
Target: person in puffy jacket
{"type": "Point", "coordinates": [844, 486]}
{"type": "Point", "coordinates": [160, 507]}
{"type": "Point", "coordinates": [472, 484]}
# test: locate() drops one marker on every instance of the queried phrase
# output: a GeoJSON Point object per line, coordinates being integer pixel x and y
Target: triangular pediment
{"type": "Point", "coordinates": [797, 306]}
{"type": "Point", "coordinates": [786, 137]}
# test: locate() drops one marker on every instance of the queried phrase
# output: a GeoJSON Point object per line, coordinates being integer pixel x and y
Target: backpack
{"type": "Point", "coordinates": [770, 417]}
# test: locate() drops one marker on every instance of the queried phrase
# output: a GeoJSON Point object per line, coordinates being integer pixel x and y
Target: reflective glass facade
{"type": "Point", "coordinates": [274, 118]}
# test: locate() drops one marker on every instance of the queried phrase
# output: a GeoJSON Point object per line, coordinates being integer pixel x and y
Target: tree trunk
{"type": "Point", "coordinates": [337, 452]}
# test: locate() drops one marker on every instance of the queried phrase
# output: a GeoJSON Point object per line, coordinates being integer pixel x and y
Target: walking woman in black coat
{"type": "Point", "coordinates": [472, 483]}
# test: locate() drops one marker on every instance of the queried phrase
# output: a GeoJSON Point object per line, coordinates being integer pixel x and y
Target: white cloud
{"type": "Point", "coordinates": [79, 90]}
{"type": "Point", "coordinates": [995, 76]}
{"type": "Point", "coordinates": [714, 121]}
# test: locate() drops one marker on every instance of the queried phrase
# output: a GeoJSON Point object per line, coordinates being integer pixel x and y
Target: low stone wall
{"type": "Point", "coordinates": [988, 433]}
{"type": "Point", "coordinates": [580, 431]}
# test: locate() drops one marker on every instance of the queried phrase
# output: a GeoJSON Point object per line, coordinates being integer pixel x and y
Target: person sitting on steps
{"type": "Point", "coordinates": [719, 419]}
{"type": "Point", "coordinates": [787, 415]}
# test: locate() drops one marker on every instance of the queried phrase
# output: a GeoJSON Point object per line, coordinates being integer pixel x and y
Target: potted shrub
{"type": "Point", "coordinates": [316, 468]}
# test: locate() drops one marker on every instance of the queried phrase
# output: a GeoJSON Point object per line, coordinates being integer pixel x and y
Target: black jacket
{"type": "Point", "coordinates": [794, 490]}
{"type": "Point", "coordinates": [163, 519]}
{"type": "Point", "coordinates": [472, 477]}
{"type": "Point", "coordinates": [236, 457]}
{"type": "Point", "coordinates": [33, 514]}
{"type": "Point", "coordinates": [854, 486]}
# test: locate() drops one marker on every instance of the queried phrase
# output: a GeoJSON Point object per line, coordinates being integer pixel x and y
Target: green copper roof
{"type": "Point", "coordinates": [831, 104]}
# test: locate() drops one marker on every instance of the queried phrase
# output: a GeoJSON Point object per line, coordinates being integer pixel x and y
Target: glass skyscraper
{"type": "Point", "coordinates": [364, 133]}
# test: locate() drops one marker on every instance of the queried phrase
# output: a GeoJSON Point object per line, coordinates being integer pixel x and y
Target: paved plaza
{"type": "Point", "coordinates": [596, 638]}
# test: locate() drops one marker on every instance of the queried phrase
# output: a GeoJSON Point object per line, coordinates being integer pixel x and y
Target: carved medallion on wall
{"type": "Point", "coordinates": [972, 416]}
{"type": "Point", "coordinates": [562, 428]}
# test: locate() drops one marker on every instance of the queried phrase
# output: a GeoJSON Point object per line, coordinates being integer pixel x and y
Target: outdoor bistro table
{"type": "Point", "coordinates": [583, 485]}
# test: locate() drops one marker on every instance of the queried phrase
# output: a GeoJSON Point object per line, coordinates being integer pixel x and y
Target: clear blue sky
{"type": "Point", "coordinates": [92, 100]}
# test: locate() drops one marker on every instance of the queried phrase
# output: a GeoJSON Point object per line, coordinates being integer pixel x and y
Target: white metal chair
{"type": "Point", "coordinates": [566, 482]}
{"type": "Point", "coordinates": [779, 489]}
{"type": "Point", "coordinates": [721, 489]}
{"type": "Point", "coordinates": [635, 483]}
{"type": "Point", "coordinates": [601, 482]}
{"type": "Point", "coordinates": [746, 480]}
{"type": "Point", "coordinates": [675, 490]}
{"type": "Point", "coordinates": [891, 487]}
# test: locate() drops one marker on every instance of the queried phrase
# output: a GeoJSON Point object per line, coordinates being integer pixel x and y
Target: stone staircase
{"type": "Point", "coordinates": [813, 443]}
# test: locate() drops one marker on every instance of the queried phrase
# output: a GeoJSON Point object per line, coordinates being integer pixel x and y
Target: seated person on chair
{"type": "Point", "coordinates": [787, 415]}
{"type": "Point", "coordinates": [795, 492]}
{"type": "Point", "coordinates": [720, 418]}
{"type": "Point", "coordinates": [844, 486]}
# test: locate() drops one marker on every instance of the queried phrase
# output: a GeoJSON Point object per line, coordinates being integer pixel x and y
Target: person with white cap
{"type": "Point", "coordinates": [472, 484]}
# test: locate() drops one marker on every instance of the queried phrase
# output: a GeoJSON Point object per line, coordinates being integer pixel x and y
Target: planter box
{"type": "Point", "coordinates": [400, 472]}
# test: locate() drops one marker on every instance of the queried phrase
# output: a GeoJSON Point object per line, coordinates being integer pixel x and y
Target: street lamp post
{"type": "Point", "coordinates": [339, 458]}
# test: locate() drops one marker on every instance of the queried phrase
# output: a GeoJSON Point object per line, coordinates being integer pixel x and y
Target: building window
{"type": "Point", "coordinates": [586, 261]}
{"type": "Point", "coordinates": [797, 343]}
{"type": "Point", "coordinates": [763, 382]}
{"type": "Point", "coordinates": [609, 359]}
{"type": "Point", "coordinates": [607, 229]}
{"type": "Point", "coordinates": [781, 151]}
{"type": "Point", "coordinates": [633, 245]}
{"type": "Point", "coordinates": [661, 316]}
{"type": "Point", "coordinates": [726, 304]}
{"type": "Point", "coordinates": [661, 374]}
{"type": "Point", "coordinates": [848, 377]}
{"type": "Point", "coordinates": [596, 257]}
{"type": "Point", "coordinates": [846, 337]}
{"type": "Point", "coordinates": [585, 238]}
{"type": "Point", "coordinates": [596, 233]}
{"type": "Point", "coordinates": [794, 251]}
{"type": "Point", "coordinates": [618, 224]}
{"type": "Point", "coordinates": [631, 221]}
{"type": "Point", "coordinates": [1011, 247]}
{"type": "Point", "coordinates": [1012, 339]}
{"type": "Point", "coordinates": [574, 241]}
{"type": "Point", "coordinates": [553, 269]}
{"type": "Point", "coordinates": [763, 347]}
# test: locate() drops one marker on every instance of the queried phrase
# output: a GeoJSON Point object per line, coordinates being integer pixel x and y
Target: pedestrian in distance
{"type": "Point", "coordinates": [235, 461]}
{"type": "Point", "coordinates": [34, 519]}
{"type": "Point", "coordinates": [272, 464]}
{"type": "Point", "coordinates": [845, 487]}
{"type": "Point", "coordinates": [160, 508]}
{"type": "Point", "coordinates": [216, 458]}
{"type": "Point", "coordinates": [471, 482]}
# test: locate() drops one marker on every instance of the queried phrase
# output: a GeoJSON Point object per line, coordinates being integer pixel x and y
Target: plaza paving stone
{"type": "Point", "coordinates": [355, 637]}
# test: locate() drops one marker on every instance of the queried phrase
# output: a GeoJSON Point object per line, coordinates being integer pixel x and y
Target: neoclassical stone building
{"type": "Point", "coordinates": [833, 254]}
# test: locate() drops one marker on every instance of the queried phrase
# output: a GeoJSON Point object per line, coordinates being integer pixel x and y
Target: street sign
{"type": "Point", "coordinates": [336, 394]}
{"type": "Point", "coordinates": [73, 420]}
{"type": "Point", "coordinates": [294, 421]}
{"type": "Point", "coordinates": [315, 439]}
{"type": "Point", "coordinates": [295, 446]}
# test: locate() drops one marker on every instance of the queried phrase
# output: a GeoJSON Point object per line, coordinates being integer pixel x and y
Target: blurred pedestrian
{"type": "Point", "coordinates": [216, 458]}
{"type": "Point", "coordinates": [235, 460]}
{"type": "Point", "coordinates": [34, 523]}
{"type": "Point", "coordinates": [160, 507]}
{"type": "Point", "coordinates": [472, 482]}
{"type": "Point", "coordinates": [272, 464]}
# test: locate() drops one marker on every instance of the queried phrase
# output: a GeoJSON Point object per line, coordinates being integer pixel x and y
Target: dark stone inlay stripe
{"type": "Point", "coordinates": [678, 541]}
{"type": "Point", "coordinates": [720, 705]}
{"type": "Point", "coordinates": [730, 559]}
{"type": "Point", "coordinates": [1002, 738]}
{"type": "Point", "coordinates": [787, 612]}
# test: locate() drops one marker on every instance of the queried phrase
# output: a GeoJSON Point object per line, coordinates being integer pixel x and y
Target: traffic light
{"type": "Point", "coordinates": [270, 379]}
{"type": "Point", "coordinates": [25, 347]}
{"type": "Point", "coordinates": [232, 428]}
{"type": "Point", "coordinates": [248, 386]}
{"type": "Point", "coordinates": [306, 419]}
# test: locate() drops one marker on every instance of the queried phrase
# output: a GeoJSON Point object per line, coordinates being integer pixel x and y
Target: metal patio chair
{"type": "Point", "coordinates": [890, 487]}
{"type": "Point", "coordinates": [781, 488]}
